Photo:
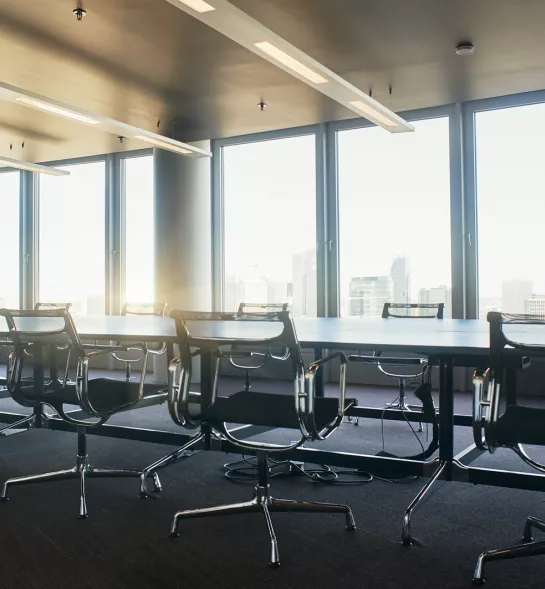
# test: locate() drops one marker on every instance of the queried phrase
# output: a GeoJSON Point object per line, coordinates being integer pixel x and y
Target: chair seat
{"type": "Point", "coordinates": [107, 395]}
{"type": "Point", "coordinates": [269, 409]}
{"type": "Point", "coordinates": [523, 425]}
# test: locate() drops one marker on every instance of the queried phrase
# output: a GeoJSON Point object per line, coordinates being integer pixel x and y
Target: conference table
{"type": "Point", "coordinates": [448, 343]}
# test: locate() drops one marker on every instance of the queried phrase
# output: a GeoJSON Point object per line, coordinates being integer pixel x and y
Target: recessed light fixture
{"type": "Point", "coordinates": [465, 49]}
{"type": "Point", "coordinates": [291, 62]}
{"type": "Point", "coordinates": [240, 27]}
{"type": "Point", "coordinates": [163, 144]}
{"type": "Point", "coordinates": [30, 167]}
{"type": "Point", "coordinates": [198, 5]}
{"type": "Point", "coordinates": [43, 103]}
{"type": "Point", "coordinates": [373, 113]}
{"type": "Point", "coordinates": [57, 110]}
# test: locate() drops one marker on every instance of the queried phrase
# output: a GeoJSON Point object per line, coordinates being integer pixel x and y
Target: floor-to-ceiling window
{"type": "Point", "coordinates": [72, 238]}
{"type": "Point", "coordinates": [139, 240]}
{"type": "Point", "coordinates": [9, 276]}
{"type": "Point", "coordinates": [394, 217]}
{"type": "Point", "coordinates": [269, 203]}
{"type": "Point", "coordinates": [510, 190]}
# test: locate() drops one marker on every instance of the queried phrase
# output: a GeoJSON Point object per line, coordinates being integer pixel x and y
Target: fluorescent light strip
{"type": "Point", "coordinates": [198, 5]}
{"type": "Point", "coordinates": [291, 63]}
{"type": "Point", "coordinates": [30, 167]}
{"type": "Point", "coordinates": [56, 110]}
{"type": "Point", "coordinates": [369, 111]}
{"type": "Point", "coordinates": [163, 144]}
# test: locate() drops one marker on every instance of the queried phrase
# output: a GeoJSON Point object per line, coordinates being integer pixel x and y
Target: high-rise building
{"type": "Point", "coordinates": [437, 294]}
{"type": "Point", "coordinates": [401, 277]}
{"type": "Point", "coordinates": [277, 292]}
{"type": "Point", "coordinates": [514, 294]}
{"type": "Point", "coordinates": [535, 305]}
{"type": "Point", "coordinates": [248, 290]}
{"type": "Point", "coordinates": [368, 294]}
{"type": "Point", "coordinates": [304, 286]}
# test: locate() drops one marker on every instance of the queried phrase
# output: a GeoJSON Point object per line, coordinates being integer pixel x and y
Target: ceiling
{"type": "Point", "coordinates": [144, 61]}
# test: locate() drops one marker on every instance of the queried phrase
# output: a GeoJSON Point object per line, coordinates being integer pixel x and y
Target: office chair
{"type": "Point", "coordinates": [500, 422]}
{"type": "Point", "coordinates": [140, 309]}
{"type": "Point", "coordinates": [387, 364]}
{"type": "Point", "coordinates": [98, 398]}
{"type": "Point", "coordinates": [261, 357]}
{"type": "Point", "coordinates": [315, 418]}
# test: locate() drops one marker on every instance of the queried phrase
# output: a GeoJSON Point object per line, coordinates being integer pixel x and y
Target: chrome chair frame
{"type": "Point", "coordinates": [230, 355]}
{"type": "Point", "coordinates": [66, 336]}
{"type": "Point", "coordinates": [180, 398]}
{"type": "Point", "coordinates": [141, 309]}
{"type": "Point", "coordinates": [376, 359]}
{"type": "Point", "coordinates": [506, 356]}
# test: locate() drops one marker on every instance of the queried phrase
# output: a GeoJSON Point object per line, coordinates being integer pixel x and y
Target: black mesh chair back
{"type": "Point", "coordinates": [413, 310]}
{"type": "Point", "coordinates": [141, 310]}
{"type": "Point", "coordinates": [499, 420]}
{"type": "Point", "coordinates": [217, 334]}
{"type": "Point", "coordinates": [51, 329]}
{"type": "Point", "coordinates": [50, 306]}
{"type": "Point", "coordinates": [254, 359]}
{"type": "Point", "coordinates": [156, 309]}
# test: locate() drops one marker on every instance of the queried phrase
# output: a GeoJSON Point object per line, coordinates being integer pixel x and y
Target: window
{"type": "Point", "coordinates": [270, 224]}
{"type": "Point", "coordinates": [139, 238]}
{"type": "Point", "coordinates": [511, 208]}
{"type": "Point", "coordinates": [9, 277]}
{"type": "Point", "coordinates": [394, 217]}
{"type": "Point", "coordinates": [72, 238]}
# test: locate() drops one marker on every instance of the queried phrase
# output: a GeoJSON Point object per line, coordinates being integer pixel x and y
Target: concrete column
{"type": "Point", "coordinates": [183, 231]}
{"type": "Point", "coordinates": [183, 234]}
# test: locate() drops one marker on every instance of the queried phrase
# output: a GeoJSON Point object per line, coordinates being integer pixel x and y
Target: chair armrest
{"type": "Point", "coordinates": [82, 378]}
{"type": "Point", "coordinates": [305, 401]}
{"type": "Point", "coordinates": [481, 408]}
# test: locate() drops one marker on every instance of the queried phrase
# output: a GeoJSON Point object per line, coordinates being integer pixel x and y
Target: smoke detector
{"type": "Point", "coordinates": [465, 49]}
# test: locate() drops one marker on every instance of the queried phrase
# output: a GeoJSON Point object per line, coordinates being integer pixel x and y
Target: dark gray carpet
{"type": "Point", "coordinates": [125, 544]}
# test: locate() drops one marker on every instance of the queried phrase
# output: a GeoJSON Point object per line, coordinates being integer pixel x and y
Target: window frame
{"type": "Point", "coordinates": [218, 207]}
{"type": "Point", "coordinates": [471, 238]}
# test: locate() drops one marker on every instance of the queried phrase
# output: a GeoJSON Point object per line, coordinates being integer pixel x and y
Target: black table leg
{"type": "Point", "coordinates": [446, 414]}
{"type": "Point", "coordinates": [319, 379]}
{"type": "Point", "coordinates": [39, 376]}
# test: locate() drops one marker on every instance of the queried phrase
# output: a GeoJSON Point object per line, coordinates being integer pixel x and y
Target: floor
{"type": "Point", "coordinates": [125, 543]}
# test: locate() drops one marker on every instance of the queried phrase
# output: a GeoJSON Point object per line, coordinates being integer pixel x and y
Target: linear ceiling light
{"type": "Point", "coordinates": [56, 110]}
{"type": "Point", "coordinates": [43, 103]}
{"type": "Point", "coordinates": [251, 34]}
{"type": "Point", "coordinates": [163, 144]}
{"type": "Point", "coordinates": [198, 5]}
{"type": "Point", "coordinates": [30, 167]}
{"type": "Point", "coordinates": [291, 62]}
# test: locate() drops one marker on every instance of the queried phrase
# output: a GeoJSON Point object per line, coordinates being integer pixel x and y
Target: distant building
{"type": "Point", "coordinates": [248, 290]}
{"type": "Point", "coordinates": [401, 278]}
{"type": "Point", "coordinates": [535, 305]}
{"type": "Point", "coordinates": [514, 294]}
{"type": "Point", "coordinates": [438, 294]}
{"type": "Point", "coordinates": [277, 292]}
{"type": "Point", "coordinates": [368, 294]}
{"type": "Point", "coordinates": [304, 285]}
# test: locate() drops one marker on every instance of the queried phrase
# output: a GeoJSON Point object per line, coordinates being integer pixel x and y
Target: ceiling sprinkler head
{"type": "Point", "coordinates": [465, 48]}
{"type": "Point", "coordinates": [79, 13]}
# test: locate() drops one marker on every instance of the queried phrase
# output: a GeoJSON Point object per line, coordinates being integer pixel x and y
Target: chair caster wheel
{"type": "Point", "coordinates": [528, 540]}
{"type": "Point", "coordinates": [83, 516]}
{"type": "Point", "coordinates": [4, 499]}
{"type": "Point", "coordinates": [174, 535]}
{"type": "Point", "coordinates": [478, 581]}
{"type": "Point", "coordinates": [350, 528]}
{"type": "Point", "coordinates": [274, 565]}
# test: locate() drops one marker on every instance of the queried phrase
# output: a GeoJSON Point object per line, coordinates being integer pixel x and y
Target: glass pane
{"type": "Point", "coordinates": [270, 224]}
{"type": "Point", "coordinates": [511, 208]}
{"type": "Point", "coordinates": [9, 276]}
{"type": "Point", "coordinates": [72, 236]}
{"type": "Point", "coordinates": [394, 209]}
{"type": "Point", "coordinates": [139, 239]}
